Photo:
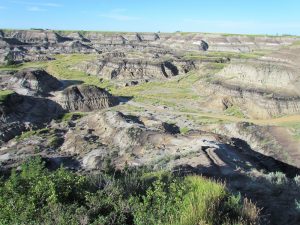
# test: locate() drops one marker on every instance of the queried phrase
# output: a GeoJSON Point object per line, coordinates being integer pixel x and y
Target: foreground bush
{"type": "Point", "coordinates": [38, 196]}
{"type": "Point", "coordinates": [192, 201]}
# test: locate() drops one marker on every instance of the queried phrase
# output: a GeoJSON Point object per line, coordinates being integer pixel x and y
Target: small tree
{"type": "Point", "coordinates": [9, 59]}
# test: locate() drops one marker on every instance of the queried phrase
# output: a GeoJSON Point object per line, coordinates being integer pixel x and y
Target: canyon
{"type": "Point", "coordinates": [225, 106]}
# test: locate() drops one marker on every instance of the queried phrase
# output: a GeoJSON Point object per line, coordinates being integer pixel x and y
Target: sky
{"type": "Point", "coordinates": [220, 16]}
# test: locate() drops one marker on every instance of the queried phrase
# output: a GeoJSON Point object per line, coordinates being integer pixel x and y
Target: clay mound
{"type": "Point", "coordinates": [34, 82]}
{"type": "Point", "coordinates": [86, 98]}
{"type": "Point", "coordinates": [19, 113]}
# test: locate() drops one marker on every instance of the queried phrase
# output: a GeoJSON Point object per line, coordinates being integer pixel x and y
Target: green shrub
{"type": "Point", "coordinates": [4, 94]}
{"type": "Point", "coordinates": [184, 130]}
{"type": "Point", "coordinates": [160, 204]}
{"type": "Point", "coordinates": [68, 116]}
{"type": "Point", "coordinates": [9, 60]}
{"type": "Point", "coordinates": [234, 111]}
{"type": "Point", "coordinates": [297, 180]}
{"type": "Point", "coordinates": [55, 141]}
{"type": "Point", "coordinates": [26, 196]}
{"type": "Point", "coordinates": [277, 178]}
{"type": "Point", "coordinates": [193, 200]}
{"type": "Point", "coordinates": [26, 134]}
{"type": "Point", "coordinates": [38, 196]}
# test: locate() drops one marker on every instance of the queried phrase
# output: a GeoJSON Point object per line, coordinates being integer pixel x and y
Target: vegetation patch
{"type": "Point", "coordinates": [204, 120]}
{"type": "Point", "coordinates": [296, 43]}
{"type": "Point", "coordinates": [55, 141]}
{"type": "Point", "coordinates": [4, 94]}
{"type": "Point", "coordinates": [217, 56]}
{"type": "Point", "coordinates": [38, 196]}
{"type": "Point", "coordinates": [72, 115]}
{"type": "Point", "coordinates": [234, 111]}
{"type": "Point", "coordinates": [30, 133]}
{"type": "Point", "coordinates": [294, 127]}
{"type": "Point", "coordinates": [184, 130]}
{"type": "Point", "coordinates": [26, 134]}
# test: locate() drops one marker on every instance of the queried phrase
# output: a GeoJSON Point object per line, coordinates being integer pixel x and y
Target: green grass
{"type": "Point", "coordinates": [217, 55]}
{"type": "Point", "coordinates": [55, 141]}
{"type": "Point", "coordinates": [294, 127]}
{"type": "Point", "coordinates": [4, 94]}
{"type": "Point", "coordinates": [26, 134]}
{"type": "Point", "coordinates": [30, 133]}
{"type": "Point", "coordinates": [199, 201]}
{"type": "Point", "coordinates": [204, 120]}
{"type": "Point", "coordinates": [296, 43]}
{"type": "Point", "coordinates": [10, 67]}
{"type": "Point", "coordinates": [62, 68]}
{"type": "Point", "coordinates": [259, 35]}
{"type": "Point", "coordinates": [171, 93]}
{"type": "Point", "coordinates": [193, 200]}
{"type": "Point", "coordinates": [67, 116]}
{"type": "Point", "coordinates": [184, 130]}
{"type": "Point", "coordinates": [234, 111]}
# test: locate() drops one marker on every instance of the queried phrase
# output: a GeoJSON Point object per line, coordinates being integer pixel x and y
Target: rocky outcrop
{"type": "Point", "coordinates": [258, 137]}
{"type": "Point", "coordinates": [135, 69]}
{"type": "Point", "coordinates": [35, 82]}
{"type": "Point", "coordinates": [48, 42]}
{"type": "Point", "coordinates": [254, 103]}
{"type": "Point", "coordinates": [19, 113]}
{"type": "Point", "coordinates": [37, 36]}
{"type": "Point", "coordinates": [127, 140]}
{"type": "Point", "coordinates": [86, 98]}
{"type": "Point", "coordinates": [203, 46]}
{"type": "Point", "coordinates": [265, 76]}
{"type": "Point", "coordinates": [261, 88]}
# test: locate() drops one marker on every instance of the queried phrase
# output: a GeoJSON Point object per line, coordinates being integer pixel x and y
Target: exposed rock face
{"type": "Point", "coordinates": [34, 82]}
{"type": "Point", "coordinates": [261, 139]}
{"type": "Point", "coordinates": [262, 88]}
{"type": "Point", "coordinates": [19, 113]}
{"type": "Point", "coordinates": [36, 36]}
{"type": "Point", "coordinates": [255, 103]}
{"type": "Point", "coordinates": [47, 42]}
{"type": "Point", "coordinates": [137, 144]}
{"type": "Point", "coordinates": [136, 68]}
{"type": "Point", "coordinates": [86, 98]}
{"type": "Point", "coordinates": [133, 69]}
{"type": "Point", "coordinates": [265, 76]}
{"type": "Point", "coordinates": [203, 46]}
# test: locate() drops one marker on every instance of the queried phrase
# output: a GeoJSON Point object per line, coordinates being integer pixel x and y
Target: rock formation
{"type": "Point", "coordinates": [47, 42]}
{"type": "Point", "coordinates": [85, 98]}
{"type": "Point", "coordinates": [20, 113]}
{"type": "Point", "coordinates": [34, 82]}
